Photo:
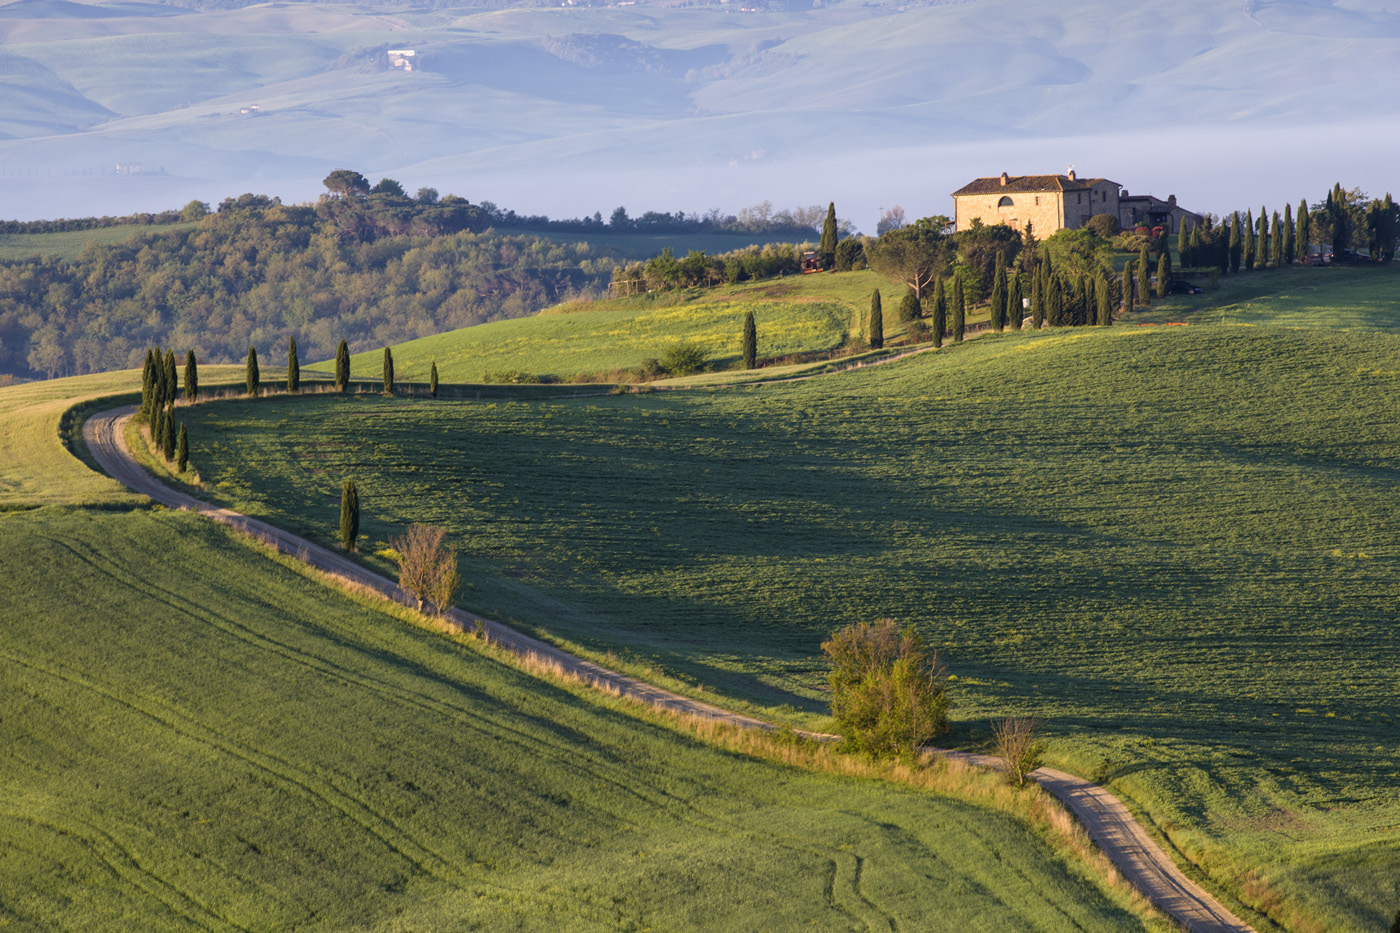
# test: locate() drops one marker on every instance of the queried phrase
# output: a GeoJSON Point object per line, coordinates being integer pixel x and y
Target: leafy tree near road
{"type": "Point", "coordinates": [251, 377]}
{"type": "Point", "coordinates": [349, 515]}
{"type": "Point", "coordinates": [182, 451]}
{"type": "Point", "coordinates": [191, 377]}
{"type": "Point", "coordinates": [1018, 745]}
{"type": "Point", "coordinates": [433, 380]}
{"type": "Point", "coordinates": [888, 689]}
{"type": "Point", "coordinates": [828, 242]}
{"type": "Point", "coordinates": [876, 327]}
{"type": "Point", "coordinates": [940, 311]}
{"type": "Point", "coordinates": [915, 255]}
{"type": "Point", "coordinates": [427, 565]}
{"type": "Point", "coordinates": [342, 367]}
{"type": "Point", "coordinates": [293, 366]}
{"type": "Point", "coordinates": [749, 342]}
{"type": "Point", "coordinates": [388, 371]}
{"type": "Point", "coordinates": [959, 325]}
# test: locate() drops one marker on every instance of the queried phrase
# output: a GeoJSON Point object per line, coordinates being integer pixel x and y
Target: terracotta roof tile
{"type": "Point", "coordinates": [1024, 183]}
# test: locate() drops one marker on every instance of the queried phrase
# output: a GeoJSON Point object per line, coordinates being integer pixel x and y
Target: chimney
{"type": "Point", "coordinates": [1072, 176]}
{"type": "Point", "coordinates": [1123, 193]}
{"type": "Point", "coordinates": [1171, 199]}
{"type": "Point", "coordinates": [1004, 178]}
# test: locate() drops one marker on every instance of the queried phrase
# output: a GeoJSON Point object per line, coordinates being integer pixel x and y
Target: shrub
{"type": "Point", "coordinates": [888, 690]}
{"type": "Point", "coordinates": [427, 565]}
{"type": "Point", "coordinates": [650, 369]}
{"type": "Point", "coordinates": [684, 359]}
{"type": "Point", "coordinates": [850, 254]}
{"type": "Point", "coordinates": [1018, 745]}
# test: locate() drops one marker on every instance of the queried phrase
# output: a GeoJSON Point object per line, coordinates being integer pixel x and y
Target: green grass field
{"type": "Point", "coordinates": [69, 244]}
{"type": "Point", "coordinates": [1178, 544]}
{"type": "Point", "coordinates": [194, 737]}
{"type": "Point", "coordinates": [1364, 297]}
{"type": "Point", "coordinates": [38, 468]}
{"type": "Point", "coordinates": [806, 314]}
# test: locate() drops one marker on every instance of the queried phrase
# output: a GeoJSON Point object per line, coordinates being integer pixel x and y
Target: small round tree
{"type": "Point", "coordinates": [388, 371]}
{"type": "Point", "coordinates": [342, 367]}
{"type": "Point", "coordinates": [293, 366]}
{"type": "Point", "coordinates": [877, 322]}
{"type": "Point", "coordinates": [888, 689]}
{"type": "Point", "coordinates": [433, 380]}
{"type": "Point", "coordinates": [191, 377]}
{"type": "Point", "coordinates": [251, 377]}
{"type": "Point", "coordinates": [349, 515]}
{"type": "Point", "coordinates": [749, 344]}
{"type": "Point", "coordinates": [182, 451]}
{"type": "Point", "coordinates": [910, 307]}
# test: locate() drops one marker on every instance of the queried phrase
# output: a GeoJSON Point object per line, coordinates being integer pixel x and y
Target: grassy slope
{"type": "Point", "coordinates": [69, 244]}
{"type": "Point", "coordinates": [1175, 543]}
{"type": "Point", "coordinates": [38, 469]}
{"type": "Point", "coordinates": [793, 315]}
{"type": "Point", "coordinates": [195, 737]}
{"type": "Point", "coordinates": [1362, 297]}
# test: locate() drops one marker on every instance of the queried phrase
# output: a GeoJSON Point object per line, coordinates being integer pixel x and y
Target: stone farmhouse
{"type": "Point", "coordinates": [1045, 204]}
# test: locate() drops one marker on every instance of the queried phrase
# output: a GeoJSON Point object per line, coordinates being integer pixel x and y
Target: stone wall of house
{"type": "Point", "coordinates": [1044, 210]}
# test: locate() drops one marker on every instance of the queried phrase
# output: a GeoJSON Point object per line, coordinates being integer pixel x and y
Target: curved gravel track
{"type": "Point", "coordinates": [1126, 843]}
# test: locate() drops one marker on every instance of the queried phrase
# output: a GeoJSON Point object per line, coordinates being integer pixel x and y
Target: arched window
{"type": "Point", "coordinates": [1004, 202]}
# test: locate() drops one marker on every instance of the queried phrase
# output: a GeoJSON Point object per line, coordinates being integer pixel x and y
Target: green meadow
{"type": "Point", "coordinates": [69, 244]}
{"type": "Point", "coordinates": [1176, 544]}
{"type": "Point", "coordinates": [793, 315]}
{"type": "Point", "coordinates": [1363, 297]}
{"type": "Point", "coordinates": [195, 736]}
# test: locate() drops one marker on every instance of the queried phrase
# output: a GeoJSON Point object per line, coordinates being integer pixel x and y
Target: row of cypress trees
{"type": "Point", "coordinates": [159, 387]}
{"type": "Point", "coordinates": [253, 377]}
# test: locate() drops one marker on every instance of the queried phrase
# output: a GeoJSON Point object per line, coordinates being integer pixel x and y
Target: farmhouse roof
{"type": "Point", "coordinates": [1023, 183]}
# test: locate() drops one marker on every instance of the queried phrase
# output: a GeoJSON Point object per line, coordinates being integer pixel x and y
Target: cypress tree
{"type": "Point", "coordinates": [1083, 300]}
{"type": "Point", "coordinates": [191, 377]}
{"type": "Point", "coordinates": [1285, 233]}
{"type": "Point", "coordinates": [1015, 313]}
{"type": "Point", "coordinates": [1247, 241]}
{"type": "Point", "coordinates": [1390, 229]}
{"type": "Point", "coordinates": [828, 244]}
{"type": "Point", "coordinates": [172, 382]}
{"type": "Point", "coordinates": [749, 344]}
{"type": "Point", "coordinates": [293, 366]}
{"type": "Point", "coordinates": [1261, 241]}
{"type": "Point", "coordinates": [1183, 243]}
{"type": "Point", "coordinates": [1037, 298]}
{"type": "Point", "coordinates": [252, 378]}
{"type": "Point", "coordinates": [1302, 237]}
{"type": "Point", "coordinates": [1337, 214]}
{"type": "Point", "coordinates": [182, 451]}
{"type": "Point", "coordinates": [999, 294]}
{"type": "Point", "coordinates": [1054, 301]}
{"type": "Point", "coordinates": [959, 309]}
{"type": "Point", "coordinates": [1195, 248]}
{"type": "Point", "coordinates": [1104, 297]}
{"type": "Point", "coordinates": [1144, 285]}
{"type": "Point", "coordinates": [1164, 272]}
{"type": "Point", "coordinates": [940, 312]}
{"type": "Point", "coordinates": [342, 367]}
{"type": "Point", "coordinates": [388, 372]}
{"type": "Point", "coordinates": [877, 322]}
{"type": "Point", "coordinates": [148, 383]}
{"type": "Point", "coordinates": [167, 437]}
{"type": "Point", "coordinates": [1236, 243]}
{"type": "Point", "coordinates": [349, 515]}
{"type": "Point", "coordinates": [1128, 287]}
{"type": "Point", "coordinates": [433, 380]}
{"type": "Point", "coordinates": [1276, 242]}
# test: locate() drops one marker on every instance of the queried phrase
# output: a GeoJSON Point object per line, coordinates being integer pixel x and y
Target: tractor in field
{"type": "Point", "coordinates": [811, 262]}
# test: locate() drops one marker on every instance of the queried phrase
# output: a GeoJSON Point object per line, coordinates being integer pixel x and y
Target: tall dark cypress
{"type": "Point", "coordinates": [172, 380]}
{"type": "Point", "coordinates": [167, 437]}
{"type": "Point", "coordinates": [748, 345]}
{"type": "Point", "coordinates": [252, 379]}
{"type": "Point", "coordinates": [1104, 297]}
{"type": "Point", "coordinates": [1337, 214]}
{"type": "Point", "coordinates": [191, 377]}
{"type": "Point", "coordinates": [342, 367]}
{"type": "Point", "coordinates": [1164, 274]}
{"type": "Point", "coordinates": [1195, 248]}
{"type": "Point", "coordinates": [182, 451]}
{"type": "Point", "coordinates": [999, 294]}
{"type": "Point", "coordinates": [1302, 237]}
{"type": "Point", "coordinates": [1276, 242]}
{"type": "Point", "coordinates": [1054, 301]}
{"type": "Point", "coordinates": [1261, 240]}
{"type": "Point", "coordinates": [1247, 241]}
{"type": "Point", "coordinates": [959, 325]}
{"type": "Point", "coordinates": [828, 244]}
{"type": "Point", "coordinates": [388, 371]}
{"type": "Point", "coordinates": [1236, 242]}
{"type": "Point", "coordinates": [940, 312]}
{"type": "Point", "coordinates": [1285, 235]}
{"type": "Point", "coordinates": [293, 366]}
{"type": "Point", "coordinates": [1014, 312]}
{"type": "Point", "coordinates": [1144, 276]}
{"type": "Point", "coordinates": [148, 383]}
{"type": "Point", "coordinates": [349, 515]}
{"type": "Point", "coordinates": [1183, 243]}
{"type": "Point", "coordinates": [1037, 298]}
{"type": "Point", "coordinates": [1083, 301]}
{"type": "Point", "coordinates": [1128, 287]}
{"type": "Point", "coordinates": [877, 322]}
{"type": "Point", "coordinates": [433, 380]}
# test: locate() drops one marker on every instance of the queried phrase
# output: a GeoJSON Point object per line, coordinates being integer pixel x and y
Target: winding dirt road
{"type": "Point", "coordinates": [1126, 843]}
